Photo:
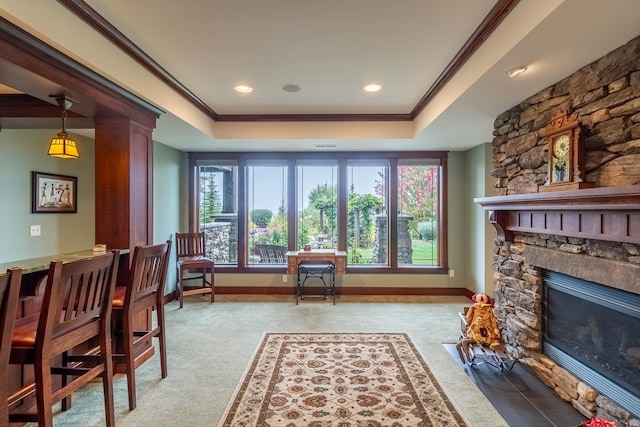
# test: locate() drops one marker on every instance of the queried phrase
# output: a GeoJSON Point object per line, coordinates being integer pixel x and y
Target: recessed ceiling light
{"type": "Point", "coordinates": [291, 88]}
{"type": "Point", "coordinates": [243, 89]}
{"type": "Point", "coordinates": [372, 87]}
{"type": "Point", "coordinates": [516, 71]}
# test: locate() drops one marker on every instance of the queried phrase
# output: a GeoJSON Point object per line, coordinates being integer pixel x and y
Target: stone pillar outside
{"type": "Point", "coordinates": [381, 241]}
{"type": "Point", "coordinates": [405, 252]}
{"type": "Point", "coordinates": [232, 220]}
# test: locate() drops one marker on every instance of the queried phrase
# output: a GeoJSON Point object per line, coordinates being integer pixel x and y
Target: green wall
{"type": "Point", "coordinates": [457, 218]}
{"type": "Point", "coordinates": [481, 233]}
{"type": "Point", "coordinates": [167, 168]}
{"type": "Point", "coordinates": [24, 151]}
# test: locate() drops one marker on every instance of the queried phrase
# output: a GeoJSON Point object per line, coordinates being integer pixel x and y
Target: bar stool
{"type": "Point", "coordinates": [144, 291]}
{"type": "Point", "coordinates": [317, 270]}
{"type": "Point", "coordinates": [75, 314]}
{"type": "Point", "coordinates": [9, 297]}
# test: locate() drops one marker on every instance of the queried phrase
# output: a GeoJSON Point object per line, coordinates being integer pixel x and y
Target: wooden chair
{"type": "Point", "coordinates": [190, 257]}
{"type": "Point", "coordinates": [144, 291]}
{"type": "Point", "coordinates": [70, 337]}
{"type": "Point", "coordinates": [9, 296]}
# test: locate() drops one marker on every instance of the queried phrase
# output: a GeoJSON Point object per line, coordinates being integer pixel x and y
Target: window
{"type": "Point", "coordinates": [384, 209]}
{"type": "Point", "coordinates": [317, 196]}
{"type": "Point", "coordinates": [367, 216]}
{"type": "Point", "coordinates": [267, 207]}
{"type": "Point", "coordinates": [418, 213]}
{"type": "Point", "coordinates": [217, 210]}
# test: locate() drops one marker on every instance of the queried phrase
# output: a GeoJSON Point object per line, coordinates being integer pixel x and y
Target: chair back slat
{"type": "Point", "coordinates": [148, 271]}
{"type": "Point", "coordinates": [77, 293]}
{"type": "Point", "coordinates": [190, 244]}
{"type": "Point", "coordinates": [9, 297]}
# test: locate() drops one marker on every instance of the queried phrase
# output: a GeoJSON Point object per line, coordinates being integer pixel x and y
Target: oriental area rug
{"type": "Point", "coordinates": [339, 379]}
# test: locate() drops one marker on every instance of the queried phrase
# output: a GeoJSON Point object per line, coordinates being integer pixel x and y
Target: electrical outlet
{"type": "Point", "coordinates": [285, 278]}
{"type": "Point", "coordinates": [452, 273]}
{"type": "Point", "coordinates": [34, 230]}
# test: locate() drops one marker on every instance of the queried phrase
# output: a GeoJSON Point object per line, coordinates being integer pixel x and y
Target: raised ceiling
{"type": "Point", "coordinates": [442, 64]}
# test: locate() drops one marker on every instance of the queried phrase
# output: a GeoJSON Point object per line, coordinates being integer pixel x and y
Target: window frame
{"type": "Point", "coordinates": [342, 157]}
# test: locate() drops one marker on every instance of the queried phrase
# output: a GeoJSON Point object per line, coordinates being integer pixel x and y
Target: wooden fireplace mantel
{"type": "Point", "coordinates": [604, 213]}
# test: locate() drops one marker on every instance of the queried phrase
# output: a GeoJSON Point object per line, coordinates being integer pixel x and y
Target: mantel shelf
{"type": "Point", "coordinates": [604, 213]}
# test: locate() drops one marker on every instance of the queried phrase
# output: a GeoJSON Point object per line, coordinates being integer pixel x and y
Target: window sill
{"type": "Point", "coordinates": [351, 269]}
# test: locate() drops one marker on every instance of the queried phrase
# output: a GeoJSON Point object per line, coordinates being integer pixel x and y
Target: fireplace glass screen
{"type": "Point", "coordinates": [596, 325]}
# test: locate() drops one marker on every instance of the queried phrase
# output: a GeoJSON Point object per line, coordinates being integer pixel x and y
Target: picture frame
{"type": "Point", "coordinates": [53, 193]}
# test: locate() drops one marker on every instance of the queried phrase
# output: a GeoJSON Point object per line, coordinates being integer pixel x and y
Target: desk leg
{"type": "Point", "coordinates": [321, 272]}
{"type": "Point", "coordinates": [333, 285]}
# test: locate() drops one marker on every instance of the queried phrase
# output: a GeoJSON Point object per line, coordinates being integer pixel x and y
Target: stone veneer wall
{"type": "Point", "coordinates": [606, 96]}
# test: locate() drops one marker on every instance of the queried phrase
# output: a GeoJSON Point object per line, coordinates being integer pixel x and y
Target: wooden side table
{"type": "Point", "coordinates": [318, 263]}
{"type": "Point", "coordinates": [338, 258]}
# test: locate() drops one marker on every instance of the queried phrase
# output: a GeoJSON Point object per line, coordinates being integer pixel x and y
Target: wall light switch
{"type": "Point", "coordinates": [285, 278]}
{"type": "Point", "coordinates": [452, 273]}
{"type": "Point", "coordinates": [34, 230]}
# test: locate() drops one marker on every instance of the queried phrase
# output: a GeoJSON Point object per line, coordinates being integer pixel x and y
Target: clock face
{"type": "Point", "coordinates": [561, 146]}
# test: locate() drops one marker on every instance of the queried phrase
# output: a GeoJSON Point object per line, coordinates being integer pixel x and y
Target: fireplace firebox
{"type": "Point", "coordinates": [593, 331]}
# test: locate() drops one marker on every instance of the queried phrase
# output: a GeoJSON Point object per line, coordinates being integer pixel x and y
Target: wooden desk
{"type": "Point", "coordinates": [337, 258]}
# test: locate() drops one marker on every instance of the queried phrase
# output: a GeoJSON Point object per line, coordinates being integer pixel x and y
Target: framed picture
{"type": "Point", "coordinates": [53, 193]}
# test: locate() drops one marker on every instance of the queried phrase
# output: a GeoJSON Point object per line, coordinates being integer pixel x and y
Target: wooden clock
{"type": "Point", "coordinates": [566, 154]}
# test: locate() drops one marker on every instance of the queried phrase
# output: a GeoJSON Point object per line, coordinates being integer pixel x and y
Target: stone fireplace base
{"type": "Point", "coordinates": [519, 286]}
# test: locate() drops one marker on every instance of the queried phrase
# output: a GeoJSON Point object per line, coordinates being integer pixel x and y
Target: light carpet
{"type": "Point", "coordinates": [339, 379]}
{"type": "Point", "coordinates": [209, 347]}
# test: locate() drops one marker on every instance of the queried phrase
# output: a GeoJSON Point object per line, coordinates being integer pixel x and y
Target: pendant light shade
{"type": "Point", "coordinates": [62, 145]}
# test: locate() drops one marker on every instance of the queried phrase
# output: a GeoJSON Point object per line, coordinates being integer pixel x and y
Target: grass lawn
{"type": "Point", "coordinates": [424, 253]}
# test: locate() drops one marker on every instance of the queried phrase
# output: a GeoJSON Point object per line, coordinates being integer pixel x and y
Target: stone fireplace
{"type": "Point", "coordinates": [592, 235]}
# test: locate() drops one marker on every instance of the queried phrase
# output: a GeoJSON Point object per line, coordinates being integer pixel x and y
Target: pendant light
{"type": "Point", "coordinates": [62, 145]}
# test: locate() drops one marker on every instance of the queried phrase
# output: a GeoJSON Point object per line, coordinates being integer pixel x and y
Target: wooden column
{"type": "Point", "coordinates": [124, 196]}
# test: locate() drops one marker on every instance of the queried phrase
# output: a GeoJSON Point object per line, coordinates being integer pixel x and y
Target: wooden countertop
{"type": "Point", "coordinates": [34, 265]}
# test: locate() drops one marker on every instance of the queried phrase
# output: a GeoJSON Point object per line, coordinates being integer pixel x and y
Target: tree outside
{"type": "Point", "coordinates": [210, 203]}
{"type": "Point", "coordinates": [261, 217]}
{"type": "Point", "coordinates": [320, 216]}
{"type": "Point", "coordinates": [361, 234]}
{"type": "Point", "coordinates": [418, 193]}
{"type": "Point", "coordinates": [323, 199]}
{"type": "Point", "coordinates": [418, 198]}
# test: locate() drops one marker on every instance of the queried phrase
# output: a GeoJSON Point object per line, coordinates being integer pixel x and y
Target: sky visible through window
{"type": "Point", "coordinates": [267, 184]}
